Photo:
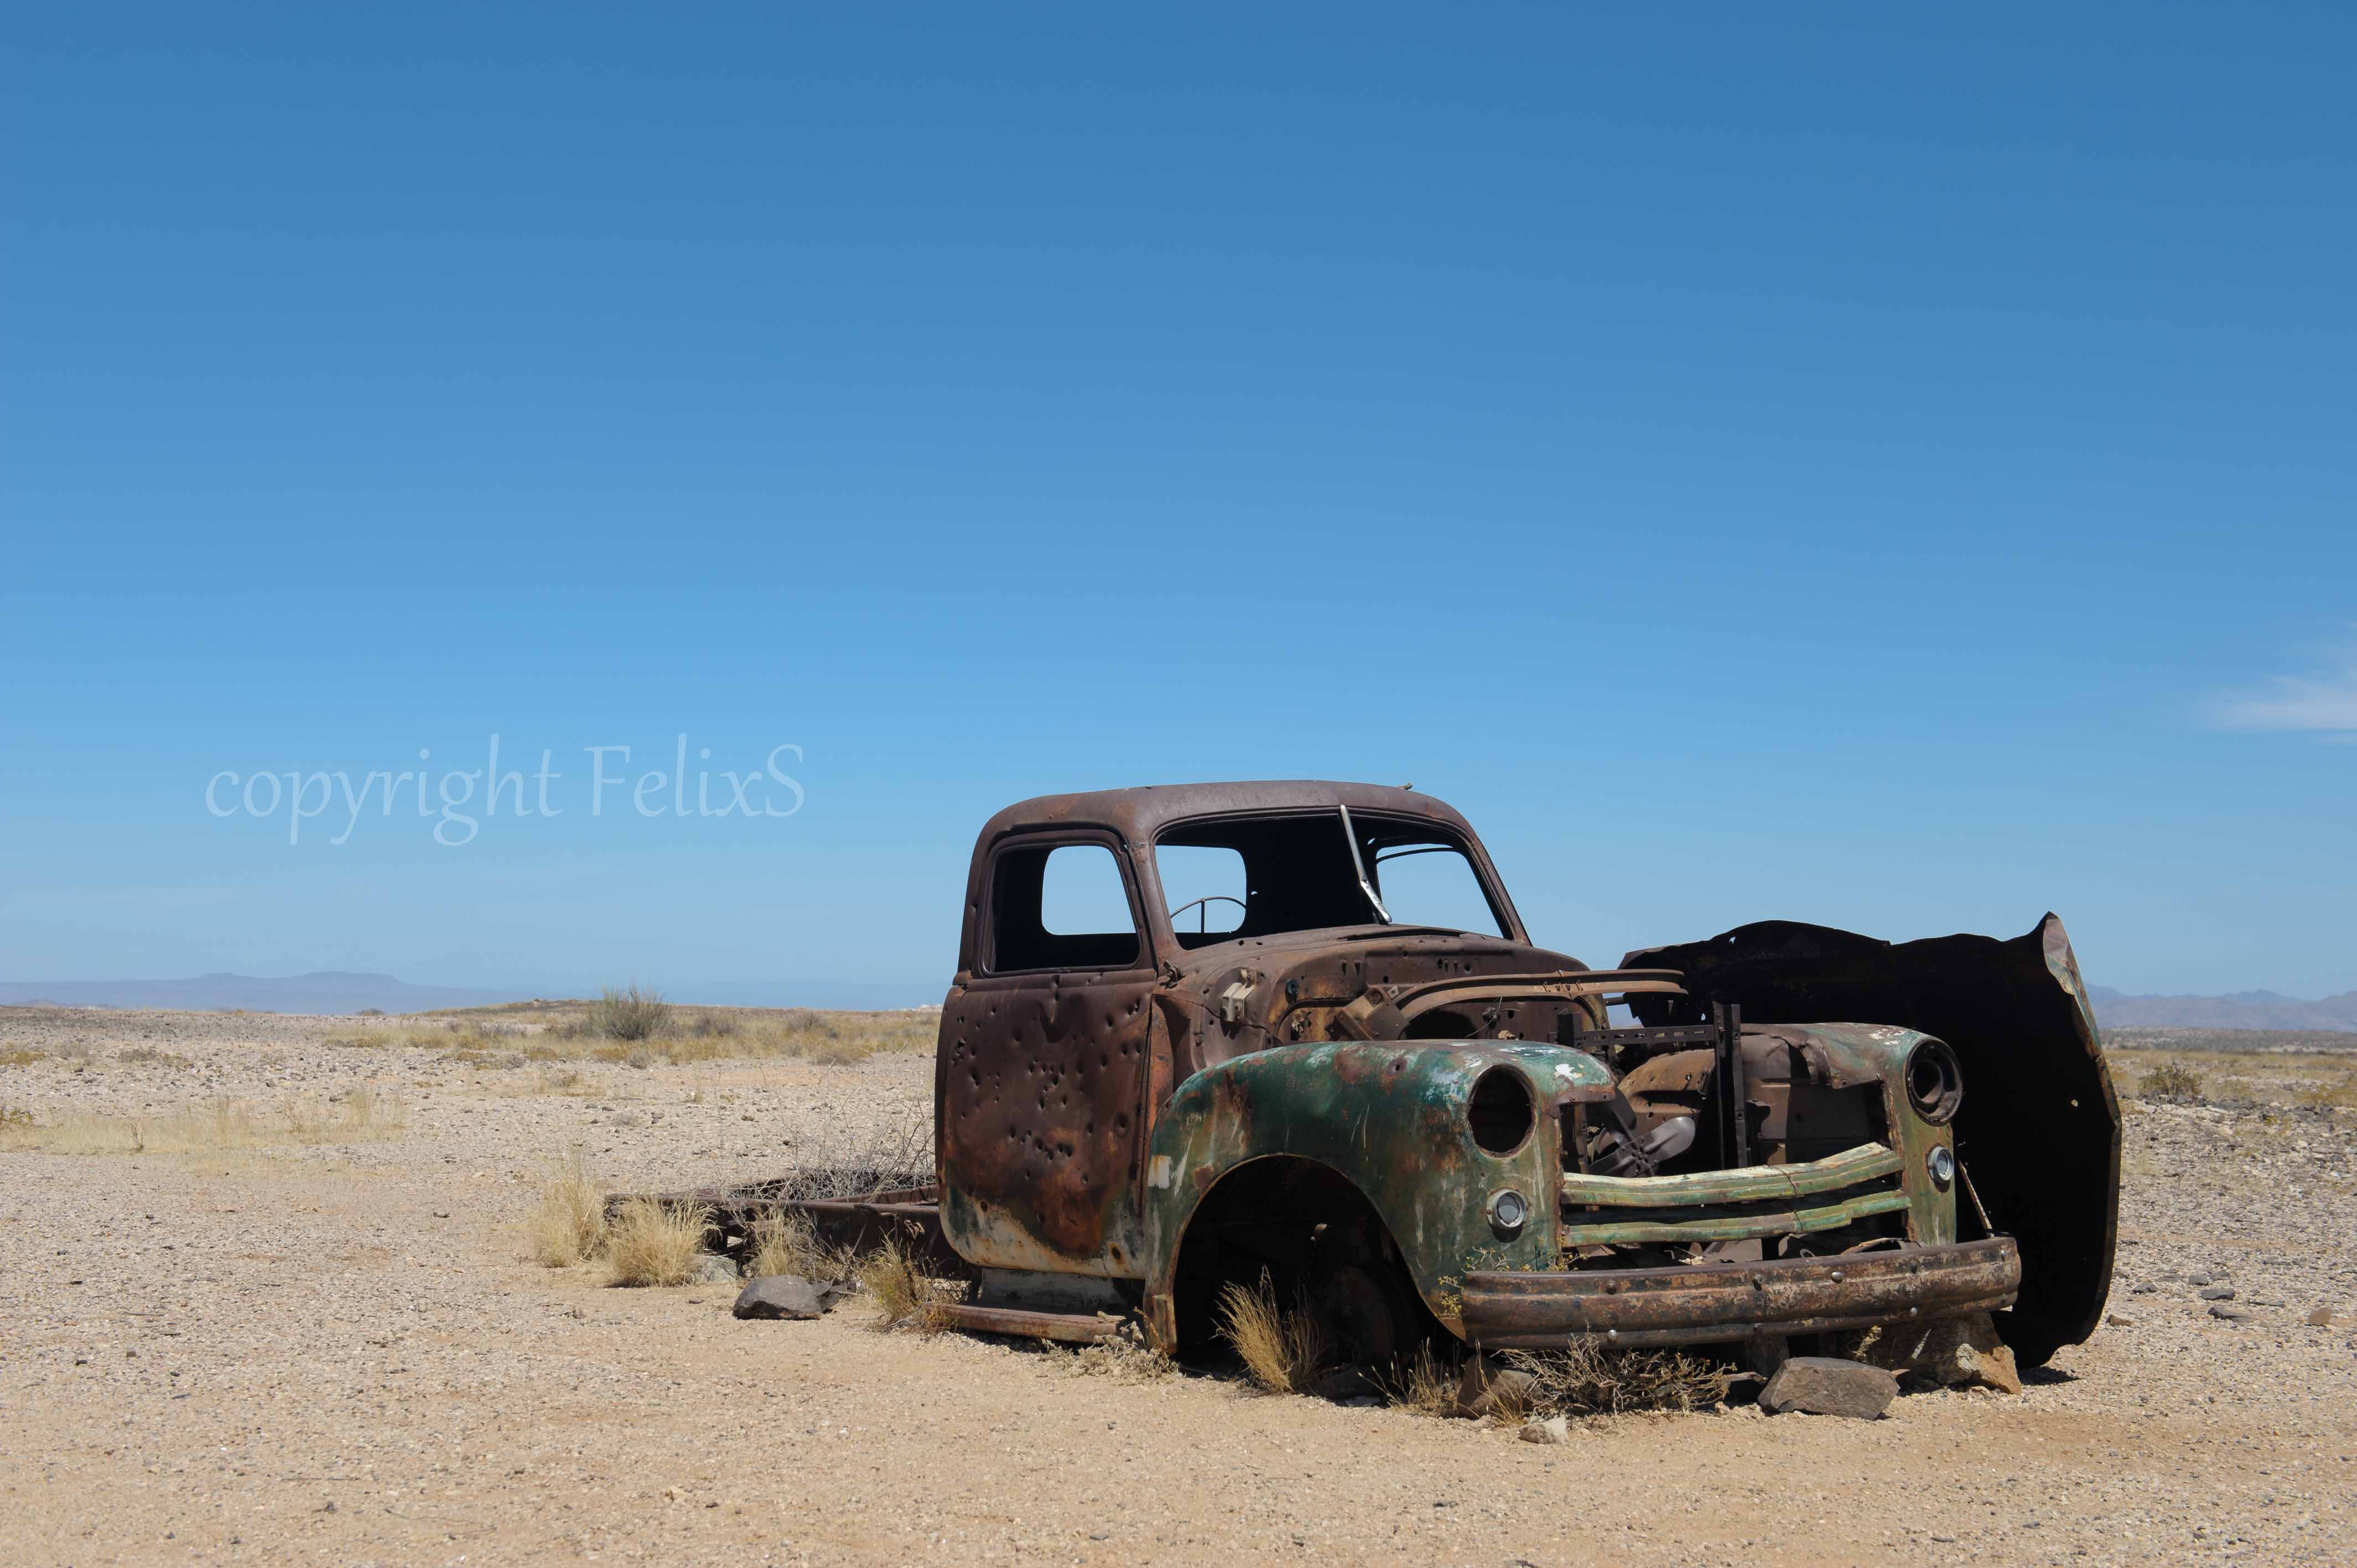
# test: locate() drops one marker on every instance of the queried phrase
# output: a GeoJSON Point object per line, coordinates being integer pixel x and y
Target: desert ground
{"type": "Point", "coordinates": [268, 1298]}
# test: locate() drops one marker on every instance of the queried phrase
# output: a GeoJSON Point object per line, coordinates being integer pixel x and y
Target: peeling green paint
{"type": "Point", "coordinates": [1391, 1118]}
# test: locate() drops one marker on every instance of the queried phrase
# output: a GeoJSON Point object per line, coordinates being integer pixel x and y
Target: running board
{"type": "Point", "coordinates": [1068, 1328]}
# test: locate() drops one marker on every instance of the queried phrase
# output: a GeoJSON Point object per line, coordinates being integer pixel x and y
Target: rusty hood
{"type": "Point", "coordinates": [2039, 1132]}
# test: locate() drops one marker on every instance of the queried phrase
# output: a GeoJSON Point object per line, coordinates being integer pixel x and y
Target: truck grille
{"type": "Point", "coordinates": [1732, 1205]}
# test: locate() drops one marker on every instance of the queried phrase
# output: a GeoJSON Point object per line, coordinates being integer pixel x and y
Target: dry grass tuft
{"type": "Point", "coordinates": [905, 1295]}
{"type": "Point", "coordinates": [1281, 1348]}
{"type": "Point", "coordinates": [652, 1244]}
{"type": "Point", "coordinates": [790, 1244]}
{"type": "Point", "coordinates": [1581, 1380]}
{"type": "Point", "coordinates": [19, 1055]}
{"type": "Point", "coordinates": [208, 1129]}
{"type": "Point", "coordinates": [632, 1014]}
{"type": "Point", "coordinates": [1425, 1384]}
{"type": "Point", "coordinates": [568, 1223]}
{"type": "Point", "coordinates": [360, 1115]}
{"type": "Point", "coordinates": [2170, 1080]}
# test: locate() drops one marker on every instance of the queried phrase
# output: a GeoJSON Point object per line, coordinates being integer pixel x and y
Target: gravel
{"type": "Point", "coordinates": [337, 1352]}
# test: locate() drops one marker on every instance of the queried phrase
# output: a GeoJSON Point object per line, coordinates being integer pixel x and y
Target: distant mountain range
{"type": "Point", "coordinates": [2242, 1010]}
{"type": "Point", "coordinates": [329, 991]}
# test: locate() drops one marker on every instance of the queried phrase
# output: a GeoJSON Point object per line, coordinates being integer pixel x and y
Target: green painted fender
{"type": "Point", "coordinates": [1389, 1117]}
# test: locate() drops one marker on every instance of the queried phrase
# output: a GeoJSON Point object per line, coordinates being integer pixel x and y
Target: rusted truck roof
{"type": "Point", "coordinates": [1139, 812]}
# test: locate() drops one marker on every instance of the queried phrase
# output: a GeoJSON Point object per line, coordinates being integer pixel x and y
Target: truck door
{"type": "Point", "coordinates": [1040, 1077]}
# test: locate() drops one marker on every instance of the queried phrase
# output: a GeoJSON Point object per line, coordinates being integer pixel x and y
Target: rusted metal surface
{"type": "Point", "coordinates": [1041, 1089]}
{"type": "Point", "coordinates": [1067, 1328]}
{"type": "Point", "coordinates": [2039, 1131]}
{"type": "Point", "coordinates": [1720, 1301]}
{"type": "Point", "coordinates": [1407, 1125]}
{"type": "Point", "coordinates": [1047, 1082]}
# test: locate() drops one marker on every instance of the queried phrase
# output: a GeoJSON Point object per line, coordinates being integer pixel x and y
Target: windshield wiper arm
{"type": "Point", "coordinates": [1350, 837]}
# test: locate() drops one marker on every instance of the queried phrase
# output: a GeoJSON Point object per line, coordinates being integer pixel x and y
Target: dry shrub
{"type": "Point", "coordinates": [2327, 1096]}
{"type": "Point", "coordinates": [844, 1163]}
{"type": "Point", "coordinates": [568, 1223]}
{"type": "Point", "coordinates": [1582, 1380]}
{"type": "Point", "coordinates": [634, 1014]}
{"type": "Point", "coordinates": [790, 1244]}
{"type": "Point", "coordinates": [1123, 1359]}
{"type": "Point", "coordinates": [652, 1244]}
{"type": "Point", "coordinates": [906, 1297]}
{"type": "Point", "coordinates": [482, 1061]}
{"type": "Point", "coordinates": [366, 1111]}
{"type": "Point", "coordinates": [18, 1056]}
{"type": "Point", "coordinates": [611, 1028]}
{"type": "Point", "coordinates": [148, 1055]}
{"type": "Point", "coordinates": [1280, 1349]}
{"type": "Point", "coordinates": [2170, 1080]}
{"type": "Point", "coordinates": [1424, 1384]}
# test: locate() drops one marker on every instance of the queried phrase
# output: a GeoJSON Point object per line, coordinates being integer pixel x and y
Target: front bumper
{"type": "Point", "coordinates": [1712, 1302]}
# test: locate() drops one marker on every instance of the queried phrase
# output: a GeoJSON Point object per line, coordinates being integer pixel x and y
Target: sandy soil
{"type": "Point", "coordinates": [335, 1352]}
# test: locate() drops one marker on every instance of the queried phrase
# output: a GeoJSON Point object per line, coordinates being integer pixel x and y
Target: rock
{"type": "Point", "coordinates": [2219, 1293]}
{"type": "Point", "coordinates": [2198, 1277]}
{"type": "Point", "coordinates": [2116, 1321]}
{"type": "Point", "coordinates": [1821, 1385]}
{"type": "Point", "coordinates": [1554, 1429]}
{"type": "Point", "coordinates": [711, 1269]}
{"type": "Point", "coordinates": [1955, 1352]}
{"type": "Point", "coordinates": [1488, 1383]}
{"type": "Point", "coordinates": [2229, 1313]}
{"type": "Point", "coordinates": [2145, 1289]}
{"type": "Point", "coordinates": [2320, 1319]}
{"type": "Point", "coordinates": [783, 1295]}
{"type": "Point", "coordinates": [1992, 1369]}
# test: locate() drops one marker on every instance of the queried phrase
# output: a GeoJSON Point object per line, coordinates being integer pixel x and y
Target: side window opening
{"type": "Point", "coordinates": [1060, 907]}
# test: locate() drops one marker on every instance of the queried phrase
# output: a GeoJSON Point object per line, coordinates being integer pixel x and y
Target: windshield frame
{"type": "Point", "coordinates": [1377, 827]}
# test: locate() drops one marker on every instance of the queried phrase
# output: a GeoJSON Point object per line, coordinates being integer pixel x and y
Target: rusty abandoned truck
{"type": "Point", "coordinates": [1212, 1033]}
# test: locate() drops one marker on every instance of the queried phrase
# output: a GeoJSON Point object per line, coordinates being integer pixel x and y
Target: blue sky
{"type": "Point", "coordinates": [1886, 469]}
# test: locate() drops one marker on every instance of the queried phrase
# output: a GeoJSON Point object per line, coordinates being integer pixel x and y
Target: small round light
{"type": "Point", "coordinates": [1941, 1165]}
{"type": "Point", "coordinates": [1509, 1210]}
